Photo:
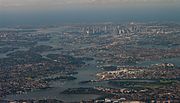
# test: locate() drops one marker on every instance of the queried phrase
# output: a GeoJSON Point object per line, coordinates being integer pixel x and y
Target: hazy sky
{"type": "Point", "coordinates": [14, 11]}
{"type": "Point", "coordinates": [61, 4]}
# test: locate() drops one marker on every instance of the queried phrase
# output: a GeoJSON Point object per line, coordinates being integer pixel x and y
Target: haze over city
{"type": "Point", "coordinates": [67, 11]}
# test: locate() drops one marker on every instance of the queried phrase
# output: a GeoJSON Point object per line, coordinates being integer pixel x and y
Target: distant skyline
{"type": "Point", "coordinates": [54, 11]}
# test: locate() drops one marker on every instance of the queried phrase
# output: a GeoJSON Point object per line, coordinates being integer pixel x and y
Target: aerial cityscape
{"type": "Point", "coordinates": [94, 51]}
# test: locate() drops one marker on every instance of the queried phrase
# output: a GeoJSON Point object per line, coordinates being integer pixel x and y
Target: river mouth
{"type": "Point", "coordinates": [84, 74]}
